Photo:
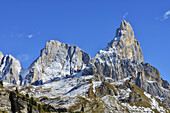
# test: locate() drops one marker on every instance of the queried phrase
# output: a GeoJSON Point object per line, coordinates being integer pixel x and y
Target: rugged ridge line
{"type": "Point", "coordinates": [121, 59]}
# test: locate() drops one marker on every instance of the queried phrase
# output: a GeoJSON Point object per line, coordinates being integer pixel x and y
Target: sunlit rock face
{"type": "Point", "coordinates": [125, 43]}
{"type": "Point", "coordinates": [57, 60]}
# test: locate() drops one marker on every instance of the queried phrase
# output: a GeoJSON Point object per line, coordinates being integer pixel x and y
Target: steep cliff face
{"type": "Point", "coordinates": [57, 60]}
{"type": "Point", "coordinates": [10, 70]}
{"type": "Point", "coordinates": [125, 44]}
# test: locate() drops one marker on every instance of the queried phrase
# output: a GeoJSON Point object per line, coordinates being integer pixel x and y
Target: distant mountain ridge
{"type": "Point", "coordinates": [121, 60]}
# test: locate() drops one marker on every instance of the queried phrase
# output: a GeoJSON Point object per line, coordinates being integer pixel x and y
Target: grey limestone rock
{"type": "Point", "coordinates": [57, 60]}
{"type": "Point", "coordinates": [125, 43]}
{"type": "Point", "coordinates": [10, 70]}
{"type": "Point", "coordinates": [5, 104]}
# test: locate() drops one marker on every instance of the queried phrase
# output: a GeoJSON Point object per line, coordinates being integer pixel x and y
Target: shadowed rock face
{"type": "Point", "coordinates": [57, 60]}
{"type": "Point", "coordinates": [10, 70]}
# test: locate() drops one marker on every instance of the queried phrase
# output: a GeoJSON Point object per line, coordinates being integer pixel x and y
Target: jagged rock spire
{"type": "Point", "coordinates": [125, 43]}
{"type": "Point", "coordinates": [124, 25]}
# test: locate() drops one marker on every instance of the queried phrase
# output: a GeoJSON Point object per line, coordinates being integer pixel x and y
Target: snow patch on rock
{"type": "Point", "coordinates": [95, 84]}
{"type": "Point", "coordinates": [120, 82]}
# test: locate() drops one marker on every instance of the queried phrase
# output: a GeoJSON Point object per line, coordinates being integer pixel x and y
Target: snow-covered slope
{"type": "Point", "coordinates": [88, 94]}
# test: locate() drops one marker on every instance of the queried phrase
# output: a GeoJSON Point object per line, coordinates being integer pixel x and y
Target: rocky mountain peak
{"type": "Point", "coordinates": [10, 70]}
{"type": "Point", "coordinates": [120, 55]}
{"type": "Point", "coordinates": [125, 25]}
{"type": "Point", "coordinates": [52, 43]}
{"type": "Point", "coordinates": [57, 60]}
{"type": "Point", "coordinates": [51, 47]}
{"type": "Point", "coordinates": [125, 43]}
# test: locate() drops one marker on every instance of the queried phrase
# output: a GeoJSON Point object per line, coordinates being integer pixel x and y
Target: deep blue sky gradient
{"type": "Point", "coordinates": [89, 24]}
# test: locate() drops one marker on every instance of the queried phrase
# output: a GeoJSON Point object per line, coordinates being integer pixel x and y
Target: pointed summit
{"type": "Point", "coordinates": [120, 53]}
{"type": "Point", "coordinates": [124, 29]}
{"type": "Point", "coordinates": [124, 25]}
{"type": "Point", "coordinates": [125, 43]}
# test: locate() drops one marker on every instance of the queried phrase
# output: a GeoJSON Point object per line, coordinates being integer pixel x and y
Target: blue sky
{"type": "Point", "coordinates": [26, 25]}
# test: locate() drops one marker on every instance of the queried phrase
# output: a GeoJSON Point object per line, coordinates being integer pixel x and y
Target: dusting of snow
{"type": "Point", "coordinates": [151, 81]}
{"type": "Point", "coordinates": [53, 70]}
{"type": "Point", "coordinates": [148, 95]}
{"type": "Point", "coordinates": [155, 104]}
{"type": "Point", "coordinates": [95, 84]}
{"type": "Point", "coordinates": [137, 109]}
{"type": "Point", "coordinates": [124, 93]}
{"type": "Point", "coordinates": [82, 90]}
{"type": "Point", "coordinates": [121, 81]}
{"type": "Point", "coordinates": [165, 90]}
{"type": "Point", "coordinates": [109, 102]}
{"type": "Point", "coordinates": [60, 88]}
{"type": "Point", "coordinates": [8, 64]}
{"type": "Point", "coordinates": [160, 98]}
{"type": "Point", "coordinates": [5, 84]}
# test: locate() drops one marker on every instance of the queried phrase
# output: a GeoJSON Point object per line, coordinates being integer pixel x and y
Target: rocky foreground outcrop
{"type": "Point", "coordinates": [67, 75]}
{"type": "Point", "coordinates": [15, 102]}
